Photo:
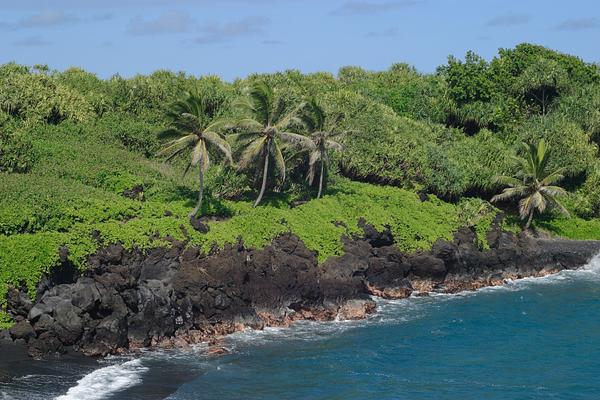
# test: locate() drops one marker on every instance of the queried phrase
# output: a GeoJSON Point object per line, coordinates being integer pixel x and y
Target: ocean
{"type": "Point", "coordinates": [530, 339]}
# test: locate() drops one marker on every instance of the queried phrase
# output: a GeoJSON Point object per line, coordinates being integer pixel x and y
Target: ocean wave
{"type": "Point", "coordinates": [400, 310]}
{"type": "Point", "coordinates": [113, 378]}
{"type": "Point", "coordinates": [107, 380]}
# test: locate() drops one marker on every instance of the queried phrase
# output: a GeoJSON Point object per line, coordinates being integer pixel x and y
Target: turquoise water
{"type": "Point", "coordinates": [532, 339]}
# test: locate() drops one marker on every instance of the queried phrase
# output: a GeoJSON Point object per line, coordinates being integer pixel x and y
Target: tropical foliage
{"type": "Point", "coordinates": [74, 147]}
{"type": "Point", "coordinates": [194, 121]}
{"type": "Point", "coordinates": [534, 186]}
{"type": "Point", "coordinates": [320, 142]}
{"type": "Point", "coordinates": [266, 119]}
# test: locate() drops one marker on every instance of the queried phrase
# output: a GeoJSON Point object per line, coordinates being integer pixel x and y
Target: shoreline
{"type": "Point", "coordinates": [177, 297]}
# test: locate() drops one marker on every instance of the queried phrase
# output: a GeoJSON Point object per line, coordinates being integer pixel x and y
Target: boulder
{"type": "Point", "coordinates": [21, 330]}
{"type": "Point", "coordinates": [18, 303]}
{"type": "Point", "coordinates": [428, 266]}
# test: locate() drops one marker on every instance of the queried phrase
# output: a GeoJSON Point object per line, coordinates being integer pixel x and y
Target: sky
{"type": "Point", "coordinates": [233, 38]}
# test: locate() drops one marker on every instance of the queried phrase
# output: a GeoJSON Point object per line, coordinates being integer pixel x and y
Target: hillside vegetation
{"type": "Point", "coordinates": [78, 164]}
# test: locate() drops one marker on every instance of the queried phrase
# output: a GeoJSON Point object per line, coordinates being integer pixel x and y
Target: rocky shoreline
{"type": "Point", "coordinates": [177, 296]}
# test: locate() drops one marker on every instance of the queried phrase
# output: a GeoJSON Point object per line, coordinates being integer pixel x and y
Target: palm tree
{"type": "Point", "coordinates": [533, 186]}
{"type": "Point", "coordinates": [319, 142]}
{"type": "Point", "coordinates": [264, 126]}
{"type": "Point", "coordinates": [193, 121]}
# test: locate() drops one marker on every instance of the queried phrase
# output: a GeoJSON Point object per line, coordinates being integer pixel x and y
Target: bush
{"type": "Point", "coordinates": [587, 199]}
{"type": "Point", "coordinates": [570, 146]}
{"type": "Point", "coordinates": [16, 152]}
{"type": "Point", "coordinates": [133, 133]}
{"type": "Point", "coordinates": [38, 97]}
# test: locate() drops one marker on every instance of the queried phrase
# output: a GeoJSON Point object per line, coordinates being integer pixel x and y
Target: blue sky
{"type": "Point", "coordinates": [233, 38]}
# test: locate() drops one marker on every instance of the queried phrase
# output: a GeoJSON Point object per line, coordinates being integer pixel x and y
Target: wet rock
{"type": "Point", "coordinates": [18, 303]}
{"type": "Point", "coordinates": [44, 324]}
{"type": "Point", "coordinates": [199, 224]}
{"type": "Point", "coordinates": [45, 344]}
{"type": "Point", "coordinates": [68, 323]}
{"type": "Point", "coordinates": [134, 193]}
{"type": "Point", "coordinates": [374, 237]}
{"type": "Point", "coordinates": [425, 266]}
{"type": "Point", "coordinates": [356, 309]}
{"type": "Point", "coordinates": [179, 295]}
{"type": "Point", "coordinates": [85, 295]}
{"type": "Point", "coordinates": [21, 330]}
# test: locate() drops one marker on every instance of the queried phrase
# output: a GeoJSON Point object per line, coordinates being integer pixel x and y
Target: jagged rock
{"type": "Point", "coordinates": [45, 344]}
{"type": "Point", "coordinates": [374, 237]}
{"type": "Point", "coordinates": [428, 266]}
{"type": "Point", "coordinates": [176, 295]}
{"type": "Point", "coordinates": [22, 330]}
{"type": "Point", "coordinates": [199, 224]}
{"type": "Point", "coordinates": [18, 303]}
{"type": "Point", "coordinates": [135, 193]}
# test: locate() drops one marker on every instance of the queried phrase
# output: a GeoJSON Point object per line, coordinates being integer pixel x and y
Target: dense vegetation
{"type": "Point", "coordinates": [79, 165]}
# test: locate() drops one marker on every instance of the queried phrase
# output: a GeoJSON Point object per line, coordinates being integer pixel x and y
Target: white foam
{"type": "Point", "coordinates": [105, 381]}
{"type": "Point", "coordinates": [5, 396]}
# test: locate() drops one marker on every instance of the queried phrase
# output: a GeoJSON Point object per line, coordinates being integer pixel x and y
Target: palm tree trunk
{"type": "Point", "coordinates": [200, 193]}
{"type": "Point", "coordinates": [320, 181]}
{"type": "Point", "coordinates": [265, 174]}
{"type": "Point", "coordinates": [528, 224]}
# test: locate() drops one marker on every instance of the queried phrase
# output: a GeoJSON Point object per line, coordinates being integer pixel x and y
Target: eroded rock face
{"type": "Point", "coordinates": [176, 296]}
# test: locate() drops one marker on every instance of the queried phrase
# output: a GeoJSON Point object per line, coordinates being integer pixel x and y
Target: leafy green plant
{"type": "Point", "coordinates": [16, 153]}
{"type": "Point", "coordinates": [535, 186]}
{"type": "Point", "coordinates": [193, 120]}
{"type": "Point", "coordinates": [267, 116]}
{"type": "Point", "coordinates": [319, 143]}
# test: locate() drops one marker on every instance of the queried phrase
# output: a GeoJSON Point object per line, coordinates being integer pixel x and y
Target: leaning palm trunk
{"type": "Point", "coordinates": [321, 180]}
{"type": "Point", "coordinates": [265, 174]}
{"type": "Point", "coordinates": [200, 193]}
{"type": "Point", "coordinates": [528, 224]}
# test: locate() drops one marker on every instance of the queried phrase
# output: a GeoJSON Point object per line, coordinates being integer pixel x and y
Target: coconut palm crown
{"type": "Point", "coordinates": [319, 142]}
{"type": "Point", "coordinates": [266, 118]}
{"type": "Point", "coordinates": [534, 186]}
{"type": "Point", "coordinates": [194, 123]}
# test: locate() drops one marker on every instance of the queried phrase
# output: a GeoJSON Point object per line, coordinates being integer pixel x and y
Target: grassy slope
{"type": "Point", "coordinates": [76, 185]}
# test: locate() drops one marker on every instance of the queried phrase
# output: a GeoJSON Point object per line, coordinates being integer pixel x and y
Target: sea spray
{"type": "Point", "coordinates": [105, 381]}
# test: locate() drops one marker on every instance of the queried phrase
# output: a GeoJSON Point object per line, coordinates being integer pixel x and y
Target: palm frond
{"type": "Point", "coordinates": [296, 139]}
{"type": "Point", "coordinates": [526, 206]}
{"type": "Point", "coordinates": [216, 140]}
{"type": "Point", "coordinates": [315, 156]}
{"type": "Point", "coordinates": [331, 144]}
{"type": "Point", "coordinates": [553, 191]}
{"type": "Point", "coordinates": [177, 144]}
{"type": "Point", "coordinates": [252, 151]}
{"type": "Point", "coordinates": [175, 154]}
{"type": "Point", "coordinates": [509, 193]}
{"type": "Point", "coordinates": [248, 124]}
{"type": "Point", "coordinates": [558, 205]}
{"type": "Point", "coordinates": [243, 137]}
{"type": "Point", "coordinates": [313, 116]}
{"type": "Point", "coordinates": [262, 97]}
{"type": "Point", "coordinates": [199, 152]}
{"type": "Point", "coordinates": [279, 161]}
{"type": "Point", "coordinates": [205, 160]}
{"type": "Point", "coordinates": [284, 121]}
{"type": "Point", "coordinates": [507, 181]}
{"type": "Point", "coordinates": [553, 177]}
{"type": "Point", "coordinates": [243, 104]}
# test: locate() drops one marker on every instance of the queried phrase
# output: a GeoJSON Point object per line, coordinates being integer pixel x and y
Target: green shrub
{"type": "Point", "coordinates": [570, 146]}
{"type": "Point", "coordinates": [586, 201]}
{"type": "Point", "coordinates": [38, 97]}
{"type": "Point", "coordinates": [16, 152]}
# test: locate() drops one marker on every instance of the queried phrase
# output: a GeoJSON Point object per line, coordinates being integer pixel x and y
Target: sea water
{"type": "Point", "coordinates": [531, 339]}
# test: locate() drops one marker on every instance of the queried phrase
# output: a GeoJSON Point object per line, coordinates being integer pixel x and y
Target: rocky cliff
{"type": "Point", "coordinates": [177, 296]}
